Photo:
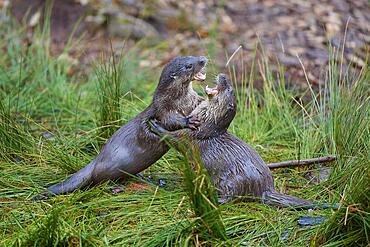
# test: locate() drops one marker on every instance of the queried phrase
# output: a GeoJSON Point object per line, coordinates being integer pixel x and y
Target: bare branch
{"type": "Point", "coordinates": [292, 163]}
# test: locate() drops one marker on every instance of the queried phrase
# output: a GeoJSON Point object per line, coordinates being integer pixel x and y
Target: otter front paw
{"type": "Point", "coordinates": [155, 127]}
{"type": "Point", "coordinates": [193, 122]}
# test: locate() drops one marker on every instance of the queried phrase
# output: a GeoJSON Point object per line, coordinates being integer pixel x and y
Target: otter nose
{"type": "Point", "coordinates": [202, 61]}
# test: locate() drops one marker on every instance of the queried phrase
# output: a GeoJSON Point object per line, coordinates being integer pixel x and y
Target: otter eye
{"type": "Point", "coordinates": [189, 66]}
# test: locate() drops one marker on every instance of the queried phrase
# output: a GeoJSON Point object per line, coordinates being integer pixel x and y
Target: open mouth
{"type": "Point", "coordinates": [220, 87]}
{"type": "Point", "coordinates": [211, 91]}
{"type": "Point", "coordinates": [201, 75]}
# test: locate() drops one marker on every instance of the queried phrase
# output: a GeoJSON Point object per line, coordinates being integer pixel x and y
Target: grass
{"type": "Point", "coordinates": [202, 195]}
{"type": "Point", "coordinates": [110, 77]}
{"type": "Point", "coordinates": [49, 130]}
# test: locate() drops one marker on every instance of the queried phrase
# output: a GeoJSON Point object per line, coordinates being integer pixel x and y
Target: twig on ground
{"type": "Point", "coordinates": [292, 163]}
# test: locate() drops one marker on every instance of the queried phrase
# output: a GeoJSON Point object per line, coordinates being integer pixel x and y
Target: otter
{"type": "Point", "coordinates": [134, 147]}
{"type": "Point", "coordinates": [235, 168]}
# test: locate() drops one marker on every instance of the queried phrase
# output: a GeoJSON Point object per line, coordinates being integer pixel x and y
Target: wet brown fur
{"type": "Point", "coordinates": [134, 147]}
{"type": "Point", "coordinates": [235, 168]}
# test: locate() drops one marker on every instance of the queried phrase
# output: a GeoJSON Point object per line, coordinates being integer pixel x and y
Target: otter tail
{"type": "Point", "coordinates": [80, 179]}
{"type": "Point", "coordinates": [277, 199]}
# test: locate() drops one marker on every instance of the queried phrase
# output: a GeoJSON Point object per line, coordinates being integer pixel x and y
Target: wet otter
{"type": "Point", "coordinates": [134, 147]}
{"type": "Point", "coordinates": [235, 168]}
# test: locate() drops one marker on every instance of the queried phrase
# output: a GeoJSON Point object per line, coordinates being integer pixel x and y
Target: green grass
{"type": "Point", "coordinates": [202, 195]}
{"type": "Point", "coordinates": [110, 77]}
{"type": "Point", "coordinates": [38, 97]}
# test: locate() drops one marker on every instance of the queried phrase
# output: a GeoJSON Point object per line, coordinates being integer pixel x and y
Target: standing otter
{"type": "Point", "coordinates": [134, 147]}
{"type": "Point", "coordinates": [235, 168]}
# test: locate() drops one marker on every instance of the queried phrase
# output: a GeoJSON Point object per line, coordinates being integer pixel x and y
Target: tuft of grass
{"type": "Point", "coordinates": [16, 143]}
{"type": "Point", "coordinates": [345, 119]}
{"type": "Point", "coordinates": [110, 78]}
{"type": "Point", "coordinates": [48, 232]}
{"type": "Point", "coordinates": [350, 225]}
{"type": "Point", "coordinates": [202, 194]}
{"type": "Point", "coordinates": [207, 225]}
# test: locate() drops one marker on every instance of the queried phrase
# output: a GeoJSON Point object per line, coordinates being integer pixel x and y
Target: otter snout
{"type": "Point", "coordinates": [221, 78]}
{"type": "Point", "coordinates": [202, 61]}
{"type": "Point", "coordinates": [223, 82]}
{"type": "Point", "coordinates": [200, 71]}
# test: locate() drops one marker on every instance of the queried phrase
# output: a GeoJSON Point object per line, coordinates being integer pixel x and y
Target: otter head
{"type": "Point", "coordinates": [222, 102]}
{"type": "Point", "coordinates": [179, 72]}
